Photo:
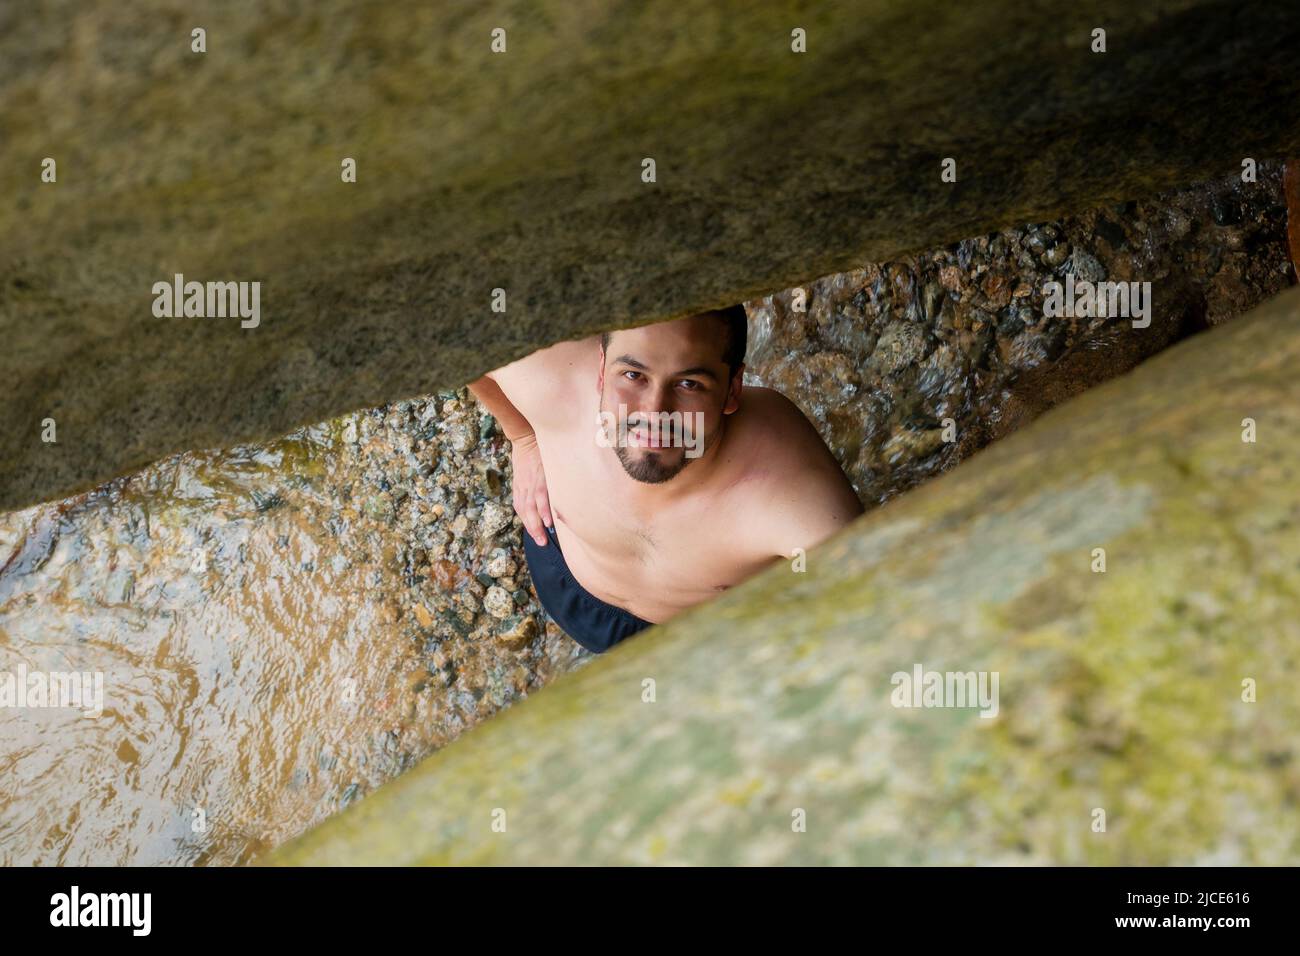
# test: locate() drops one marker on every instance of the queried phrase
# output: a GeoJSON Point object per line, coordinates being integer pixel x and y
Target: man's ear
{"type": "Point", "coordinates": [734, 388]}
{"type": "Point", "coordinates": [600, 374]}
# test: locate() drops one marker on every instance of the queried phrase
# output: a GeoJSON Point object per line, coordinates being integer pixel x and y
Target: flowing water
{"type": "Point", "coordinates": [255, 679]}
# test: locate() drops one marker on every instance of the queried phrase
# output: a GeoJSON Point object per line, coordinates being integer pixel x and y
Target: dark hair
{"type": "Point", "coordinates": [733, 353]}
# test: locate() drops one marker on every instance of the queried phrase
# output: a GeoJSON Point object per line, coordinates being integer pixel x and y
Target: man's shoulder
{"type": "Point", "coordinates": [776, 426]}
{"type": "Point", "coordinates": [542, 384]}
{"type": "Point", "coordinates": [802, 491]}
{"type": "Point", "coordinates": [565, 358]}
{"type": "Point", "coordinates": [772, 399]}
{"type": "Point", "coordinates": [775, 443]}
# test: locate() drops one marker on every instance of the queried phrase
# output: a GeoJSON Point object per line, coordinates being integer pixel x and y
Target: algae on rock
{"type": "Point", "coordinates": [522, 171]}
{"type": "Point", "coordinates": [1121, 691]}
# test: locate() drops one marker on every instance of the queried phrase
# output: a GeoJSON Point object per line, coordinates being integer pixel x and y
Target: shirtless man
{"type": "Point", "coordinates": [622, 533]}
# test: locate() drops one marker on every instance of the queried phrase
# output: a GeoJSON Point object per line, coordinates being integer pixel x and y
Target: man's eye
{"type": "Point", "coordinates": [630, 372]}
{"type": "Point", "coordinates": [694, 385]}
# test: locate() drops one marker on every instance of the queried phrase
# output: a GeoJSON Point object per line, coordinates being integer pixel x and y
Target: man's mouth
{"type": "Point", "coordinates": [644, 437]}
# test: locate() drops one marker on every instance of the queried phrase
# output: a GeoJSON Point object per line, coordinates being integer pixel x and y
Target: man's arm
{"type": "Point", "coordinates": [543, 385]}
{"type": "Point", "coordinates": [513, 424]}
{"type": "Point", "coordinates": [537, 394]}
{"type": "Point", "coordinates": [528, 480]}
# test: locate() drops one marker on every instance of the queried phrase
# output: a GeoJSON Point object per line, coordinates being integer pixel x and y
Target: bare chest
{"type": "Point", "coordinates": [654, 563]}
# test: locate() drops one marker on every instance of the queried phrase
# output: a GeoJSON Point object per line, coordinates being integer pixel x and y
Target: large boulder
{"type": "Point", "coordinates": [523, 171]}
{"type": "Point", "coordinates": [1146, 713]}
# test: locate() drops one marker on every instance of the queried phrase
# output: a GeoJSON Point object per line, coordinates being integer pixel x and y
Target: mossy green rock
{"type": "Point", "coordinates": [523, 171]}
{"type": "Point", "coordinates": [1124, 692]}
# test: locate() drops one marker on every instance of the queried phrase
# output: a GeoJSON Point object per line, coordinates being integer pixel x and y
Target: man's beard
{"type": "Point", "coordinates": [651, 468]}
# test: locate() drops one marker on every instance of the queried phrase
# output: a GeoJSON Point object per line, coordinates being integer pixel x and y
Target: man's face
{"type": "Point", "coordinates": [675, 369]}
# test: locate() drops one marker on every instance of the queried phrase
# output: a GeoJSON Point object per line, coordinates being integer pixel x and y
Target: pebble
{"type": "Point", "coordinates": [1226, 210]}
{"type": "Point", "coordinates": [500, 563]}
{"type": "Point", "coordinates": [517, 633]}
{"type": "Point", "coordinates": [462, 437]}
{"type": "Point", "coordinates": [496, 518]}
{"type": "Point", "coordinates": [1057, 254]}
{"type": "Point", "coordinates": [1087, 268]}
{"type": "Point", "coordinates": [498, 602]}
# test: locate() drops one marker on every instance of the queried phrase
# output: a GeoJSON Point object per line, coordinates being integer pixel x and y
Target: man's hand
{"type": "Point", "coordinates": [528, 488]}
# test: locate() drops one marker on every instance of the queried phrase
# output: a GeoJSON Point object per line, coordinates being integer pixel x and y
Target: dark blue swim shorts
{"type": "Point", "coordinates": [593, 623]}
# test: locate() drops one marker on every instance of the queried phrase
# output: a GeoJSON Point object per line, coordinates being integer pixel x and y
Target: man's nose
{"type": "Point", "coordinates": [658, 399]}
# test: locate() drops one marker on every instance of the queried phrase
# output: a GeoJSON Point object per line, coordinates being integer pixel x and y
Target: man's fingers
{"type": "Point", "coordinates": [532, 523]}
{"type": "Point", "coordinates": [544, 507]}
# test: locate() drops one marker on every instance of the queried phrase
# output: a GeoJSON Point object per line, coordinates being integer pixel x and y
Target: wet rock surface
{"type": "Point", "coordinates": [884, 354]}
{"type": "Point", "coordinates": [371, 567]}
{"type": "Point", "coordinates": [290, 624]}
{"type": "Point", "coordinates": [522, 171]}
